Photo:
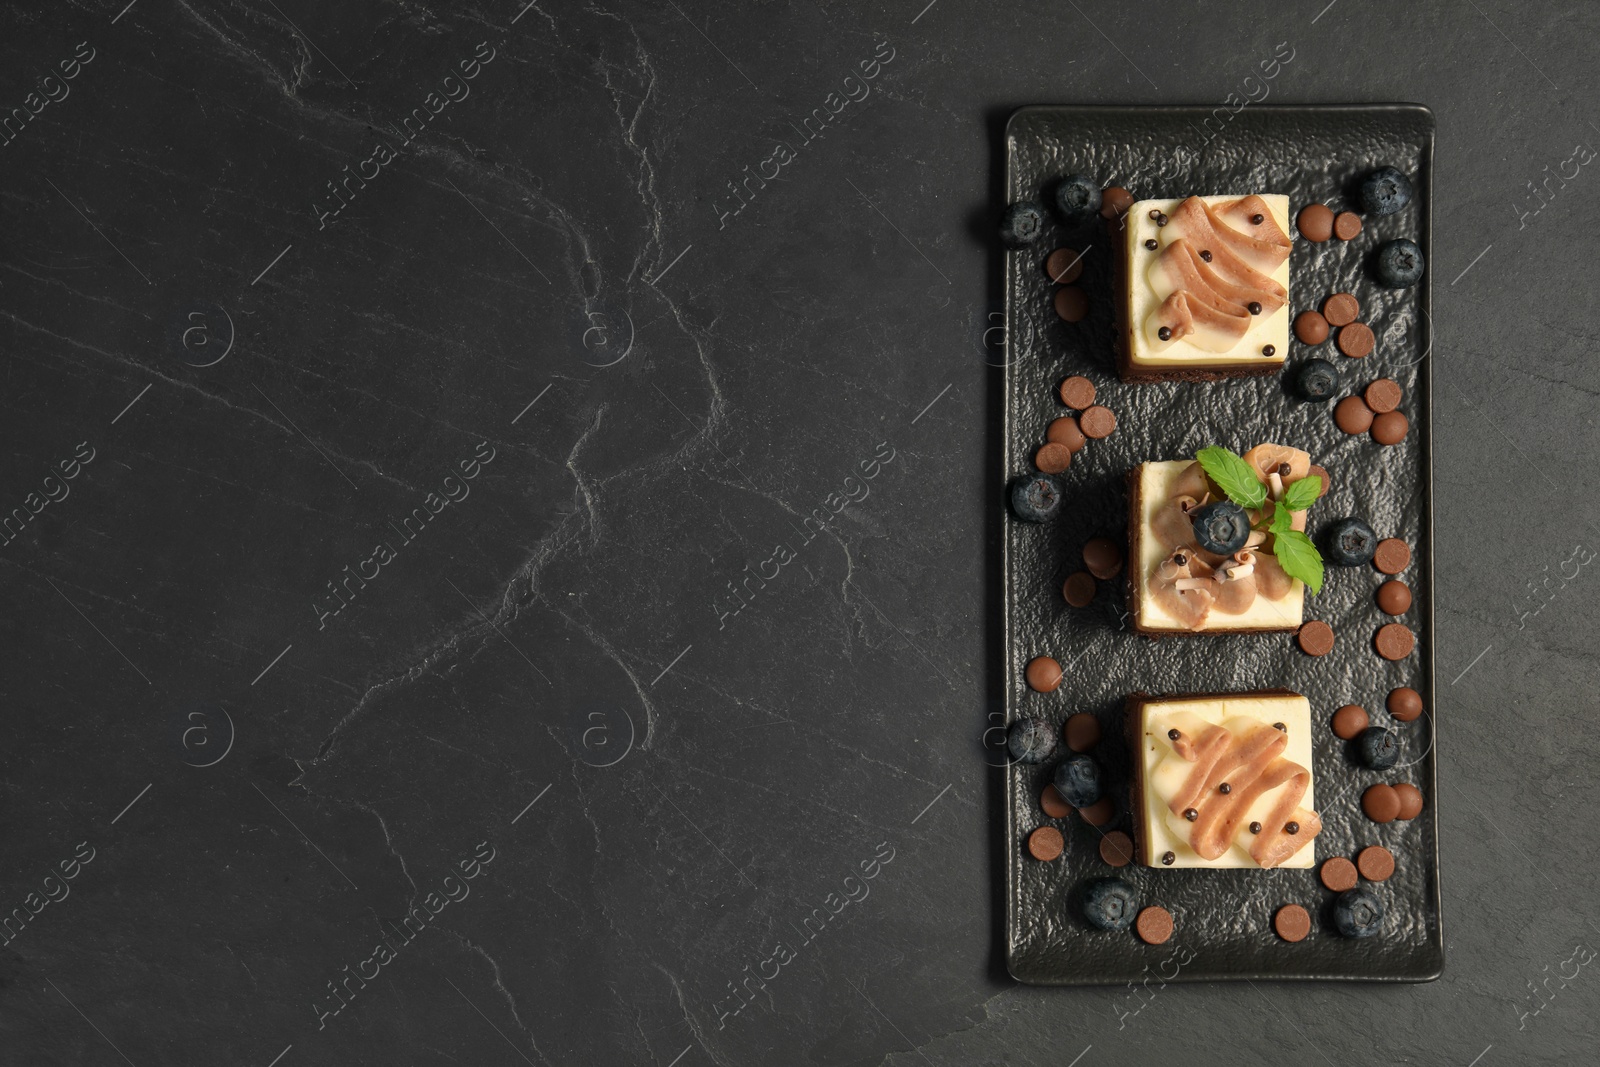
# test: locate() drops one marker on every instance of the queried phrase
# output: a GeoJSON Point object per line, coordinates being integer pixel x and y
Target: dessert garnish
{"type": "Point", "coordinates": [1077, 197]}
{"type": "Point", "coordinates": [1031, 740]}
{"type": "Point", "coordinates": [1358, 913]}
{"type": "Point", "coordinates": [1385, 191]}
{"type": "Point", "coordinates": [1399, 264]}
{"type": "Point", "coordinates": [1022, 224]}
{"type": "Point", "coordinates": [1280, 476]}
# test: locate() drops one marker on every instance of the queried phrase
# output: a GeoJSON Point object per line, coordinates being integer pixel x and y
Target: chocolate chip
{"type": "Point", "coordinates": [1064, 431]}
{"type": "Point", "coordinates": [1394, 641]}
{"type": "Point", "coordinates": [1174, 734]}
{"type": "Point", "coordinates": [1103, 557]}
{"type": "Point", "coordinates": [1254, 306]}
{"type": "Point", "coordinates": [1257, 219]}
{"type": "Point", "coordinates": [1097, 422]}
{"type": "Point", "coordinates": [1155, 213]}
{"type": "Point", "coordinates": [1375, 863]}
{"type": "Point", "coordinates": [1116, 848]}
{"type": "Point", "coordinates": [1255, 828]}
{"type": "Point", "coordinates": [1315, 638]}
{"type": "Point", "coordinates": [1099, 813]}
{"type": "Point", "coordinates": [1164, 333]}
{"type": "Point", "coordinates": [1082, 731]}
{"type": "Point", "coordinates": [1292, 922]}
{"type": "Point", "coordinates": [1410, 800]}
{"type": "Point", "coordinates": [1352, 415]}
{"type": "Point", "coordinates": [1315, 222]}
{"type": "Point", "coordinates": [1356, 340]}
{"type": "Point", "coordinates": [1053, 458]}
{"type": "Point", "coordinates": [1291, 827]}
{"type": "Point", "coordinates": [1205, 254]}
{"type": "Point", "coordinates": [1151, 244]}
{"type": "Point", "coordinates": [1043, 674]}
{"type": "Point", "coordinates": [1168, 859]}
{"type": "Point", "coordinates": [1392, 555]}
{"type": "Point", "coordinates": [1224, 788]}
{"type": "Point", "coordinates": [1269, 350]}
{"type": "Point", "coordinates": [1383, 395]}
{"type": "Point", "coordinates": [1064, 266]}
{"type": "Point", "coordinates": [1339, 874]}
{"type": "Point", "coordinates": [1341, 309]}
{"type": "Point", "coordinates": [1179, 558]}
{"type": "Point", "coordinates": [1347, 225]}
{"type": "Point", "coordinates": [1394, 597]}
{"type": "Point", "coordinates": [1280, 726]}
{"type": "Point", "coordinates": [1115, 202]}
{"type": "Point", "coordinates": [1079, 589]}
{"type": "Point", "coordinates": [1154, 925]}
{"type": "Point", "coordinates": [1390, 428]}
{"type": "Point", "coordinates": [1161, 219]}
{"type": "Point", "coordinates": [1311, 328]}
{"type": "Point", "coordinates": [1072, 303]}
{"type": "Point", "coordinates": [1349, 721]}
{"type": "Point", "coordinates": [1284, 470]}
{"type": "Point", "coordinates": [1190, 814]}
{"type": "Point", "coordinates": [1045, 843]}
{"type": "Point", "coordinates": [1053, 804]}
{"type": "Point", "coordinates": [1381, 803]}
{"type": "Point", "coordinates": [1405, 703]}
{"type": "Point", "coordinates": [1077, 392]}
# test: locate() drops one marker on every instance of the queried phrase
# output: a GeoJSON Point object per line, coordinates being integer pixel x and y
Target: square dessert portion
{"type": "Point", "coordinates": [1223, 780]}
{"type": "Point", "coordinates": [1203, 288]}
{"type": "Point", "coordinates": [1177, 586]}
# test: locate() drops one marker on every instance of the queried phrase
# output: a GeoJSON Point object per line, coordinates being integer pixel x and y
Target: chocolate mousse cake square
{"type": "Point", "coordinates": [1223, 780]}
{"type": "Point", "coordinates": [1203, 288]}
{"type": "Point", "coordinates": [1175, 587]}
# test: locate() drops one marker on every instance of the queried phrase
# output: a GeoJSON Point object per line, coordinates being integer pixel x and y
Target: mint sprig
{"type": "Point", "coordinates": [1296, 553]}
{"type": "Point", "coordinates": [1298, 557]}
{"type": "Point", "coordinates": [1233, 475]}
{"type": "Point", "coordinates": [1303, 493]}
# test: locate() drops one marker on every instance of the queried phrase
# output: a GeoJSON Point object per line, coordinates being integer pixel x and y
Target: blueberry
{"type": "Point", "coordinates": [1350, 543]}
{"type": "Point", "coordinates": [1385, 191]}
{"type": "Point", "coordinates": [1110, 904]}
{"type": "Point", "coordinates": [1031, 740]}
{"type": "Point", "coordinates": [1221, 527]}
{"type": "Point", "coordinates": [1022, 224]}
{"type": "Point", "coordinates": [1399, 264]}
{"type": "Point", "coordinates": [1077, 779]}
{"type": "Point", "coordinates": [1077, 197]}
{"type": "Point", "coordinates": [1380, 748]}
{"type": "Point", "coordinates": [1358, 913]}
{"type": "Point", "coordinates": [1035, 498]}
{"type": "Point", "coordinates": [1316, 380]}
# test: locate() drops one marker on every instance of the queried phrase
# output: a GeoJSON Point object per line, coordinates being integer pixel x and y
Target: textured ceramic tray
{"type": "Point", "coordinates": [1224, 918]}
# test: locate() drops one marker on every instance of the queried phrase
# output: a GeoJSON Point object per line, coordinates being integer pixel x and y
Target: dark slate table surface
{"type": "Point", "coordinates": [481, 584]}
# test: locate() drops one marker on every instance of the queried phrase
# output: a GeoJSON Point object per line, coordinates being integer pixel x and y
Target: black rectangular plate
{"type": "Point", "coordinates": [1224, 918]}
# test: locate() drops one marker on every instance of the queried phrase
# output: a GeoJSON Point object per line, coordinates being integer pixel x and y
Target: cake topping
{"type": "Point", "coordinates": [1210, 272]}
{"type": "Point", "coordinates": [1238, 769]}
{"type": "Point", "coordinates": [1168, 859]}
{"type": "Point", "coordinates": [1254, 307]}
{"type": "Point", "coordinates": [1151, 244]}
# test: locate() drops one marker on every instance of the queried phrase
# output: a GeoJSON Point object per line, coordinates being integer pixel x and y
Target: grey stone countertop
{"type": "Point", "coordinates": [502, 529]}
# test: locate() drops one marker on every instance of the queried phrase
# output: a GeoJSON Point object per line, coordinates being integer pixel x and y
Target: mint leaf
{"type": "Point", "coordinates": [1303, 493]}
{"type": "Point", "coordinates": [1233, 475]}
{"type": "Point", "coordinates": [1298, 557]}
{"type": "Point", "coordinates": [1282, 519]}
